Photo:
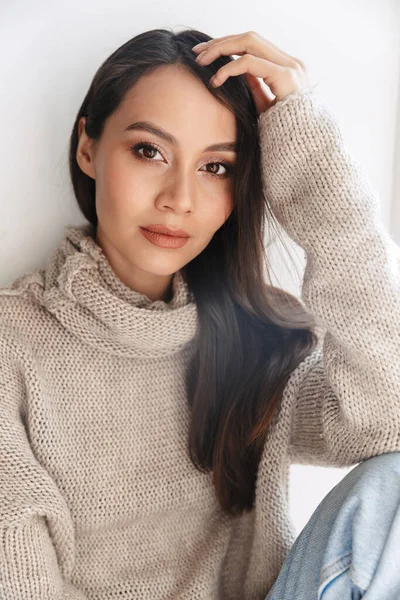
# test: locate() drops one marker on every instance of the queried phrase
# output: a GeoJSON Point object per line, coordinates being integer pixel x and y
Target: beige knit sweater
{"type": "Point", "coordinates": [98, 497]}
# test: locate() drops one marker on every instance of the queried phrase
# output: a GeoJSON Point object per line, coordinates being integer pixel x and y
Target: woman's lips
{"type": "Point", "coordinates": [164, 241]}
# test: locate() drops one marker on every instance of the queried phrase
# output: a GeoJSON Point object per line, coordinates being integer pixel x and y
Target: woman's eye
{"type": "Point", "coordinates": [151, 148]}
{"type": "Point", "coordinates": [147, 147]}
{"type": "Point", "coordinates": [218, 165]}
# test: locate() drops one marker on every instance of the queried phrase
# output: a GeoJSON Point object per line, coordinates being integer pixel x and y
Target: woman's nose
{"type": "Point", "coordinates": [180, 194]}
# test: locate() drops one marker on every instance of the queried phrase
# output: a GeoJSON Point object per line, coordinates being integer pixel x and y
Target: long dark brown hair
{"type": "Point", "coordinates": [251, 334]}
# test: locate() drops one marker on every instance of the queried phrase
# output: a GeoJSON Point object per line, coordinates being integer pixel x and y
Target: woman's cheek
{"type": "Point", "coordinates": [225, 207]}
{"type": "Point", "coordinates": [131, 189]}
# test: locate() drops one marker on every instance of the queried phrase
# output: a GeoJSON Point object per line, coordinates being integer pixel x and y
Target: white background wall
{"type": "Point", "coordinates": [49, 53]}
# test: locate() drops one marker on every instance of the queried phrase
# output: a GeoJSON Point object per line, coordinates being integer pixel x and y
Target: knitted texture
{"type": "Point", "coordinates": [98, 497]}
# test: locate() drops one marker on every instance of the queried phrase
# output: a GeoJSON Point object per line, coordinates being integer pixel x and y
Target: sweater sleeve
{"type": "Point", "coordinates": [344, 398]}
{"type": "Point", "coordinates": [36, 530]}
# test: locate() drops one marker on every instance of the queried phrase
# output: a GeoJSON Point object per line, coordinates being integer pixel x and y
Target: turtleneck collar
{"type": "Point", "coordinates": [79, 286]}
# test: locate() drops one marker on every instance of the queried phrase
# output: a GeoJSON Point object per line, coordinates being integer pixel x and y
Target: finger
{"type": "Point", "coordinates": [206, 45]}
{"type": "Point", "coordinates": [261, 94]}
{"type": "Point", "coordinates": [258, 67]}
{"type": "Point", "coordinates": [248, 43]}
{"type": "Point", "coordinates": [301, 63]}
{"type": "Point", "coordinates": [281, 80]}
{"type": "Point", "coordinates": [203, 45]}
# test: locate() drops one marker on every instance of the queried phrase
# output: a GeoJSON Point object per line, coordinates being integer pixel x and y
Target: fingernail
{"type": "Point", "coordinates": [199, 45]}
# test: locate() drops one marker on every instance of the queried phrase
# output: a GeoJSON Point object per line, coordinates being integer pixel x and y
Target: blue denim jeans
{"type": "Point", "coordinates": [350, 547]}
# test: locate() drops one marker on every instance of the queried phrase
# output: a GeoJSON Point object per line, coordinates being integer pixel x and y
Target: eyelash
{"type": "Point", "coordinates": [228, 166]}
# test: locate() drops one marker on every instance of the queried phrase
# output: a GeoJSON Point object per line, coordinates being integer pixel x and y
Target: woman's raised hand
{"type": "Point", "coordinates": [281, 72]}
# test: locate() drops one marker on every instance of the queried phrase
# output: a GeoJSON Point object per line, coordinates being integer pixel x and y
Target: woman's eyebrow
{"type": "Point", "coordinates": [168, 137]}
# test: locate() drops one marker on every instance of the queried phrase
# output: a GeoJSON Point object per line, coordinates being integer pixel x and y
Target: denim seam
{"type": "Point", "coordinates": [333, 570]}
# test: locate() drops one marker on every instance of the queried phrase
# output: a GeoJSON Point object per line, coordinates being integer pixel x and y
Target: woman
{"type": "Point", "coordinates": [155, 389]}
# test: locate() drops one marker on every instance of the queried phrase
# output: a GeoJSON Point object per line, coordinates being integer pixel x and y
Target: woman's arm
{"type": "Point", "coordinates": [36, 529]}
{"type": "Point", "coordinates": [345, 397]}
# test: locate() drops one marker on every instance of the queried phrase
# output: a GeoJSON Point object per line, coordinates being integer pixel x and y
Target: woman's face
{"type": "Point", "coordinates": [177, 184]}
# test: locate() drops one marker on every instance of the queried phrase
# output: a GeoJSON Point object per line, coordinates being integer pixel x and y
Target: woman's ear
{"type": "Point", "coordinates": [84, 151]}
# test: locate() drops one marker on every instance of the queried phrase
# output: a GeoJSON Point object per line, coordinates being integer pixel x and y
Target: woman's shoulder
{"type": "Point", "coordinates": [21, 315]}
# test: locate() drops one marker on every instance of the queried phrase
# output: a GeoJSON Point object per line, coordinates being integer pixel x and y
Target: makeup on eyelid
{"type": "Point", "coordinates": [230, 167]}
